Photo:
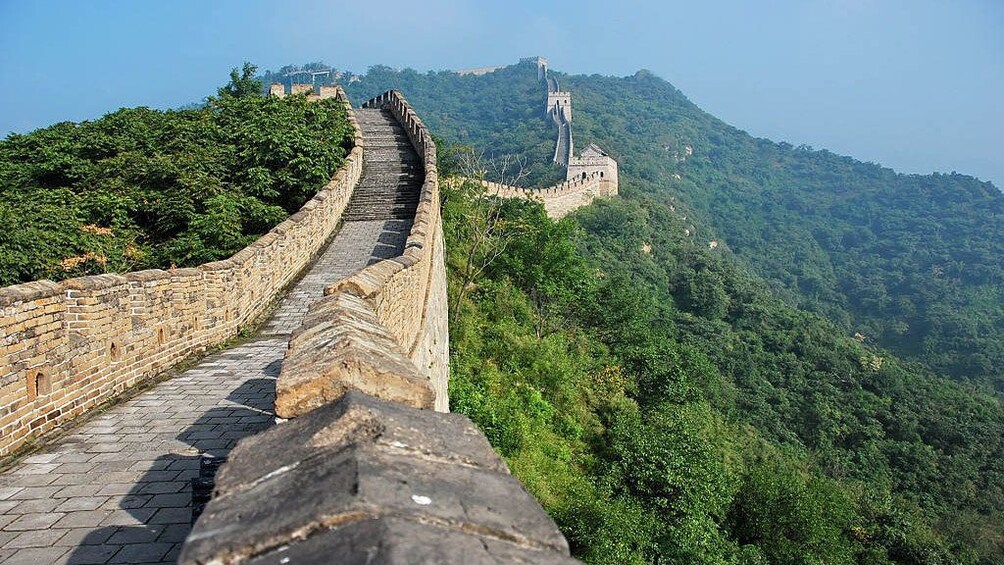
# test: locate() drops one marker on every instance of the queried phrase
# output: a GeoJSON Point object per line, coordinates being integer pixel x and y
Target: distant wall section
{"type": "Point", "coordinates": [561, 199]}
{"type": "Point", "coordinates": [593, 160]}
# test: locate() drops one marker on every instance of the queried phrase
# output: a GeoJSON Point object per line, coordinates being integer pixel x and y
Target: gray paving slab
{"type": "Point", "coordinates": [357, 245]}
{"type": "Point", "coordinates": [117, 488]}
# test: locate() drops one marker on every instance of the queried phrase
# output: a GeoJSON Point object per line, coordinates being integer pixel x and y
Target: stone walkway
{"type": "Point", "coordinates": [374, 240]}
{"type": "Point", "coordinates": [118, 488]}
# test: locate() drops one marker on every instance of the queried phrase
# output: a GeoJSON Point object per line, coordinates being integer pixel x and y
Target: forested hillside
{"type": "Point", "coordinates": [912, 263]}
{"type": "Point", "coordinates": [670, 401]}
{"type": "Point", "coordinates": [665, 407]}
{"type": "Point", "coordinates": [142, 188]}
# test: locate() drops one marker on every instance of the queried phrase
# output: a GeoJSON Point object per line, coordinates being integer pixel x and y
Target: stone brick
{"type": "Point", "coordinates": [362, 459]}
{"type": "Point", "coordinates": [397, 541]}
{"type": "Point", "coordinates": [342, 346]}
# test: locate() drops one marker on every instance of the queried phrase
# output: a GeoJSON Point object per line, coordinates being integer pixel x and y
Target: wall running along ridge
{"type": "Point", "coordinates": [563, 198]}
{"type": "Point", "coordinates": [365, 471]}
{"type": "Point", "coordinates": [402, 301]}
{"type": "Point", "coordinates": [67, 347]}
{"type": "Point", "coordinates": [591, 175]}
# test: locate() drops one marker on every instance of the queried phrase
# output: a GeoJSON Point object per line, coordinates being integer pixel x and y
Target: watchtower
{"type": "Point", "coordinates": [541, 63]}
{"type": "Point", "coordinates": [560, 102]}
{"type": "Point", "coordinates": [594, 160]}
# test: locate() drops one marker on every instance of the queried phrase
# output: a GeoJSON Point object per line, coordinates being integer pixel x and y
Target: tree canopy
{"type": "Point", "coordinates": [142, 188]}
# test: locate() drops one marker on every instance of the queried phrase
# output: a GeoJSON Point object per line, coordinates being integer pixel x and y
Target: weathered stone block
{"type": "Point", "coordinates": [390, 540]}
{"type": "Point", "coordinates": [366, 477]}
{"type": "Point", "coordinates": [342, 346]}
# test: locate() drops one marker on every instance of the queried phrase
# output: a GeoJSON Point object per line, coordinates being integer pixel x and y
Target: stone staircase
{"type": "Point", "coordinates": [392, 171]}
{"type": "Point", "coordinates": [375, 223]}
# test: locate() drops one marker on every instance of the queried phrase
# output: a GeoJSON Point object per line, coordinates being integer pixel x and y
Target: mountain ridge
{"type": "Point", "coordinates": [894, 257]}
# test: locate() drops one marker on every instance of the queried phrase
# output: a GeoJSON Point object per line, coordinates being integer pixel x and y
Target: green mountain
{"type": "Point", "coordinates": [673, 402]}
{"type": "Point", "coordinates": [913, 263]}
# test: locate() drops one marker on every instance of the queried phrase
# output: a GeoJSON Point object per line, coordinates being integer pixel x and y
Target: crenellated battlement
{"type": "Point", "coordinates": [560, 102]}
{"type": "Point", "coordinates": [561, 199]}
{"type": "Point", "coordinates": [591, 175]}
{"type": "Point", "coordinates": [278, 90]}
{"type": "Point", "coordinates": [540, 62]}
{"type": "Point", "coordinates": [593, 160]}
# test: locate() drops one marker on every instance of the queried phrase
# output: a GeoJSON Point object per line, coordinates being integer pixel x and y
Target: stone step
{"type": "Point", "coordinates": [393, 173]}
{"type": "Point", "coordinates": [370, 192]}
{"type": "Point", "coordinates": [395, 214]}
{"type": "Point", "coordinates": [388, 141]}
{"type": "Point", "coordinates": [364, 200]}
{"type": "Point", "coordinates": [363, 193]}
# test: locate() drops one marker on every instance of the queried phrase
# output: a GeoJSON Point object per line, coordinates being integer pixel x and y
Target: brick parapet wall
{"type": "Point", "coordinates": [408, 292]}
{"type": "Point", "coordinates": [561, 199]}
{"type": "Point", "coordinates": [67, 347]}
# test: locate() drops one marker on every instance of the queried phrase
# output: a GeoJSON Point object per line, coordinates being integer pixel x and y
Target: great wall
{"type": "Point", "coordinates": [366, 462]}
{"type": "Point", "coordinates": [593, 174]}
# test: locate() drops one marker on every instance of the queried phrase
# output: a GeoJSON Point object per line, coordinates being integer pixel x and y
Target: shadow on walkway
{"type": "Point", "coordinates": [161, 500]}
{"type": "Point", "coordinates": [390, 242]}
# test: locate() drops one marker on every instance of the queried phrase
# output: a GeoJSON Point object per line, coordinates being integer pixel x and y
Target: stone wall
{"type": "Point", "coordinates": [67, 347]}
{"type": "Point", "coordinates": [365, 471]}
{"type": "Point", "coordinates": [565, 146]}
{"type": "Point", "coordinates": [560, 102]}
{"type": "Point", "coordinates": [594, 160]}
{"type": "Point", "coordinates": [364, 480]}
{"type": "Point", "coordinates": [541, 64]}
{"type": "Point", "coordinates": [402, 302]}
{"type": "Point", "coordinates": [563, 198]}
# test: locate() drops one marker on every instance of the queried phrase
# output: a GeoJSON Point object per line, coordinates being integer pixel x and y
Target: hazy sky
{"type": "Point", "coordinates": [917, 85]}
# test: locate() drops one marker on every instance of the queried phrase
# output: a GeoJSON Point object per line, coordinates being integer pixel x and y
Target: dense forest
{"type": "Point", "coordinates": [142, 188]}
{"type": "Point", "coordinates": [912, 263]}
{"type": "Point", "coordinates": [673, 402]}
{"type": "Point", "coordinates": [666, 407]}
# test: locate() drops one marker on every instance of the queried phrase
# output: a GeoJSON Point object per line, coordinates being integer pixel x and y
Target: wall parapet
{"type": "Point", "coordinates": [408, 292]}
{"type": "Point", "coordinates": [69, 346]}
{"type": "Point", "coordinates": [363, 480]}
{"type": "Point", "coordinates": [365, 470]}
{"type": "Point", "coordinates": [561, 199]}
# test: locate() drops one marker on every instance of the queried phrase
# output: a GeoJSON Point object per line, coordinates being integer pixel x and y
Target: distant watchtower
{"type": "Point", "coordinates": [593, 166]}
{"type": "Point", "coordinates": [561, 103]}
{"type": "Point", "coordinates": [594, 160]}
{"type": "Point", "coordinates": [541, 63]}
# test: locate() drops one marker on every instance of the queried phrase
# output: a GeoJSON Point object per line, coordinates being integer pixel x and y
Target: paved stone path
{"type": "Point", "coordinates": [357, 244]}
{"type": "Point", "coordinates": [117, 489]}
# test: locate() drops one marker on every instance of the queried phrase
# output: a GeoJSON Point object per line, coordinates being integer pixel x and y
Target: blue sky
{"type": "Point", "coordinates": [917, 85]}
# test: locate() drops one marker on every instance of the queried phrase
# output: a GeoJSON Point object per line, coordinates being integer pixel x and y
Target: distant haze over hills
{"type": "Point", "coordinates": [914, 263]}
